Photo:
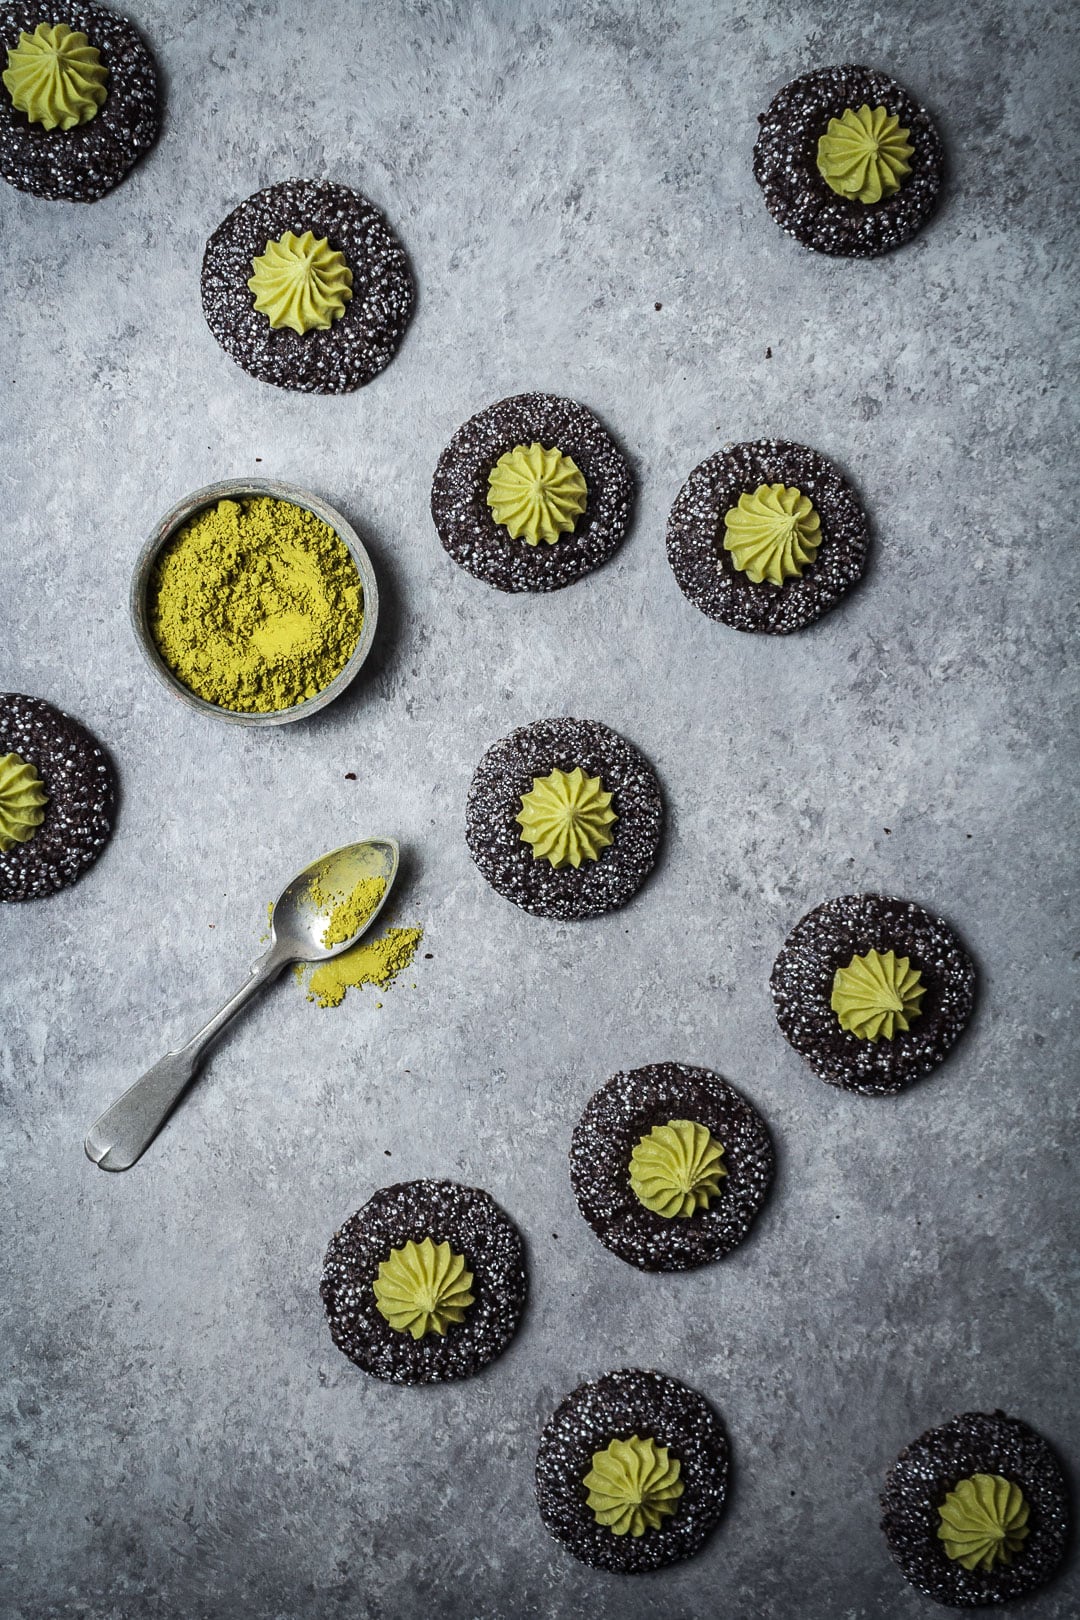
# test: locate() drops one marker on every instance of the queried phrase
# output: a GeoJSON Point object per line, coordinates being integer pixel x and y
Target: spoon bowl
{"type": "Point", "coordinates": [302, 911]}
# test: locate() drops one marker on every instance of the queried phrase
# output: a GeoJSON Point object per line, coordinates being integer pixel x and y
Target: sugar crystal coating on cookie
{"type": "Point", "coordinates": [117, 79]}
{"type": "Point", "coordinates": [827, 940]}
{"type": "Point", "coordinates": [80, 784]}
{"type": "Point", "coordinates": [674, 1425]}
{"type": "Point", "coordinates": [923, 1483]}
{"type": "Point", "coordinates": [881, 215]}
{"type": "Point", "coordinates": [363, 1288]}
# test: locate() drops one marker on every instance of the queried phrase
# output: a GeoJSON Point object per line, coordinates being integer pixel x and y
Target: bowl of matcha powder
{"type": "Point", "coordinates": [254, 601]}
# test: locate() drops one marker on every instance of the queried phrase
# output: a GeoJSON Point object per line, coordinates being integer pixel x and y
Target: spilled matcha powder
{"type": "Point", "coordinates": [377, 961]}
{"type": "Point", "coordinates": [256, 605]}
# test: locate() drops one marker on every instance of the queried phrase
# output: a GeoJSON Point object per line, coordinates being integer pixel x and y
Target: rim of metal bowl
{"type": "Point", "coordinates": [239, 489]}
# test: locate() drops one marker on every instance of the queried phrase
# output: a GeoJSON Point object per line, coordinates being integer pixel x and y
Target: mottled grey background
{"type": "Point", "coordinates": [182, 1438]}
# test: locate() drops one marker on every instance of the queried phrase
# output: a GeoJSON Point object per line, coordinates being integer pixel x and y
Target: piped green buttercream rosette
{"type": "Point", "coordinates": [423, 1288]}
{"type": "Point", "coordinates": [676, 1169]}
{"type": "Point", "coordinates": [536, 494]}
{"type": "Point", "coordinates": [56, 77]}
{"type": "Point", "coordinates": [984, 1522]}
{"type": "Point", "coordinates": [301, 282]}
{"type": "Point", "coordinates": [566, 818]}
{"type": "Point", "coordinates": [22, 802]}
{"type": "Point", "coordinates": [772, 534]}
{"type": "Point", "coordinates": [633, 1485]}
{"type": "Point", "coordinates": [877, 995]}
{"type": "Point", "coordinates": [864, 154]}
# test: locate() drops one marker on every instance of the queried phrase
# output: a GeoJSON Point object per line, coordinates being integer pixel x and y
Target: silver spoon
{"type": "Point", "coordinates": [297, 927]}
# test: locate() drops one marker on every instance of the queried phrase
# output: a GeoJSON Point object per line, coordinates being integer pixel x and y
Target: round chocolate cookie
{"type": "Point", "coordinates": [705, 571]}
{"type": "Point", "coordinates": [352, 349]}
{"type": "Point", "coordinates": [927, 1470]}
{"type": "Point", "coordinates": [83, 163]}
{"type": "Point", "coordinates": [826, 939]}
{"type": "Point", "coordinates": [616, 1407]}
{"type": "Point", "coordinates": [507, 772]}
{"type": "Point", "coordinates": [626, 1109]}
{"type": "Point", "coordinates": [800, 200]}
{"type": "Point", "coordinates": [475, 1227]}
{"type": "Point", "coordinates": [79, 780]}
{"type": "Point", "coordinates": [487, 549]}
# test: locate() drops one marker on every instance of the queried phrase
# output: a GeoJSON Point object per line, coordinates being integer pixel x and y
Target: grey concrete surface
{"type": "Point", "coordinates": [181, 1438]}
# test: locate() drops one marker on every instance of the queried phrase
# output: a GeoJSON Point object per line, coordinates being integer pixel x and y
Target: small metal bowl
{"type": "Point", "coordinates": [238, 489]}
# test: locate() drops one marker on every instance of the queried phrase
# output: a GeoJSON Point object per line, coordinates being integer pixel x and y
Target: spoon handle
{"type": "Point", "coordinates": [123, 1132]}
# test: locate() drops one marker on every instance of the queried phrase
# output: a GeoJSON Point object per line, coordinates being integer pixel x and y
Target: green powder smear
{"type": "Point", "coordinates": [376, 961]}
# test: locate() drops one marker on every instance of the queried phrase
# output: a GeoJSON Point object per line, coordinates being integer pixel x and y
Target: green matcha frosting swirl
{"type": "Point", "coordinates": [301, 283]}
{"type": "Point", "coordinates": [566, 818]}
{"type": "Point", "coordinates": [877, 995]}
{"type": "Point", "coordinates": [984, 1521]}
{"type": "Point", "coordinates": [56, 77]}
{"type": "Point", "coordinates": [536, 494]}
{"type": "Point", "coordinates": [632, 1485]}
{"type": "Point", "coordinates": [863, 155]}
{"type": "Point", "coordinates": [423, 1288]}
{"type": "Point", "coordinates": [22, 802]}
{"type": "Point", "coordinates": [772, 534]}
{"type": "Point", "coordinates": [676, 1169]}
